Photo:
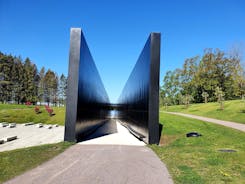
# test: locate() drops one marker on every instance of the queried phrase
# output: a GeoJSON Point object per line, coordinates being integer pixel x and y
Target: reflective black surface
{"type": "Point", "coordinates": [91, 95]}
{"type": "Point", "coordinates": [139, 98]}
{"type": "Point", "coordinates": [86, 98]}
{"type": "Point", "coordinates": [88, 107]}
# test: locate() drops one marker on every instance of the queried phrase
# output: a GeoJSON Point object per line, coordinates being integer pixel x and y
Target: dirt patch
{"type": "Point", "coordinates": [167, 139]}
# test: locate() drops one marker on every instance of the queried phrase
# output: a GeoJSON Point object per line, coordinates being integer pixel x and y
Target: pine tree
{"type": "Point", "coordinates": [50, 87]}
{"type": "Point", "coordinates": [5, 83]}
{"type": "Point", "coordinates": [62, 88]}
{"type": "Point", "coordinates": [41, 85]}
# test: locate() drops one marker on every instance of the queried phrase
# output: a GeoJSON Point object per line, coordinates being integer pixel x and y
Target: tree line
{"type": "Point", "coordinates": [215, 75]}
{"type": "Point", "coordinates": [21, 82]}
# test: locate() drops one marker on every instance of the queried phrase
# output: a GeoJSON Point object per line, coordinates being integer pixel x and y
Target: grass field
{"type": "Point", "coordinates": [16, 162]}
{"type": "Point", "coordinates": [197, 160]}
{"type": "Point", "coordinates": [23, 114]}
{"type": "Point", "coordinates": [234, 110]}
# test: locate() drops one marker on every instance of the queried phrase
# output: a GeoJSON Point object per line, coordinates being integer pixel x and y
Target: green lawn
{"type": "Point", "coordinates": [234, 110]}
{"type": "Point", "coordinates": [23, 114]}
{"type": "Point", "coordinates": [16, 162]}
{"type": "Point", "coordinates": [197, 160]}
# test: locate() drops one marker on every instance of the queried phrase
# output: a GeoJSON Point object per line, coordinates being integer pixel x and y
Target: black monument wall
{"type": "Point", "coordinates": [86, 95]}
{"type": "Point", "coordinates": [139, 99]}
{"type": "Point", "coordinates": [88, 105]}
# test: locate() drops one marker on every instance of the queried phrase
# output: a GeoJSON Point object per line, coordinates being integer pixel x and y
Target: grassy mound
{"type": "Point", "coordinates": [23, 114]}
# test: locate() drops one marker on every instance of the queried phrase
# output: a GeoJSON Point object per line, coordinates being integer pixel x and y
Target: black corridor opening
{"type": "Point", "coordinates": [88, 106]}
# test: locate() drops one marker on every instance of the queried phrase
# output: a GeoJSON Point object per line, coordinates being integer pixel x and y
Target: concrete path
{"type": "Point", "coordinates": [118, 158]}
{"type": "Point", "coordinates": [100, 164]}
{"type": "Point", "coordinates": [30, 136]}
{"type": "Point", "coordinates": [120, 137]}
{"type": "Point", "coordinates": [230, 124]}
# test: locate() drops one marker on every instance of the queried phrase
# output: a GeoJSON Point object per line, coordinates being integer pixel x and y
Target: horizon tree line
{"type": "Point", "coordinates": [21, 82]}
{"type": "Point", "coordinates": [201, 76]}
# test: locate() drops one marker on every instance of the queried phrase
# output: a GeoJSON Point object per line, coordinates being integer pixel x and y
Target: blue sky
{"type": "Point", "coordinates": [116, 31]}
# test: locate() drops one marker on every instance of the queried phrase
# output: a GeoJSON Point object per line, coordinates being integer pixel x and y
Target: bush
{"type": "Point", "coordinates": [37, 109]}
{"type": "Point", "coordinates": [28, 103]}
{"type": "Point", "coordinates": [50, 111]}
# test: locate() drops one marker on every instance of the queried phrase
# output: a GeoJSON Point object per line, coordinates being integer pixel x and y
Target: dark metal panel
{"type": "Point", "coordinates": [153, 121]}
{"type": "Point", "coordinates": [139, 98]}
{"type": "Point", "coordinates": [72, 86]}
{"type": "Point", "coordinates": [92, 95]}
{"type": "Point", "coordinates": [86, 94]}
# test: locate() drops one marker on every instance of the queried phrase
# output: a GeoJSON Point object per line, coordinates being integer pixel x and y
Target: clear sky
{"type": "Point", "coordinates": [116, 31]}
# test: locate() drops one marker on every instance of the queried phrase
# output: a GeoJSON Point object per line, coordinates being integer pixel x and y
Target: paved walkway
{"type": "Point", "coordinates": [120, 137]}
{"type": "Point", "coordinates": [30, 136]}
{"type": "Point", "coordinates": [230, 124]}
{"type": "Point", "coordinates": [116, 158]}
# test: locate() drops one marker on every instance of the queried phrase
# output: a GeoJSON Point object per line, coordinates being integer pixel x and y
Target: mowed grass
{"type": "Point", "coordinates": [16, 162]}
{"type": "Point", "coordinates": [23, 114]}
{"type": "Point", "coordinates": [234, 110]}
{"type": "Point", "coordinates": [196, 160]}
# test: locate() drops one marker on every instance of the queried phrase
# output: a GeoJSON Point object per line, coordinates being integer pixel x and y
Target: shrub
{"type": "Point", "coordinates": [37, 109]}
{"type": "Point", "coordinates": [50, 111]}
{"type": "Point", "coordinates": [28, 103]}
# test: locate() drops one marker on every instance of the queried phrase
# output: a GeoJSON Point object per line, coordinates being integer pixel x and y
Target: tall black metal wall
{"type": "Point", "coordinates": [139, 99]}
{"type": "Point", "coordinates": [88, 106]}
{"type": "Point", "coordinates": [86, 95]}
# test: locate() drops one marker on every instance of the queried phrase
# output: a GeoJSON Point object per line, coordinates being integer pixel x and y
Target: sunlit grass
{"type": "Point", "coordinates": [197, 159]}
{"type": "Point", "coordinates": [16, 162]}
{"type": "Point", "coordinates": [234, 110]}
{"type": "Point", "coordinates": [24, 114]}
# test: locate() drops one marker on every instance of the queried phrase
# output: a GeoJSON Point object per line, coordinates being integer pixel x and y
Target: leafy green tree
{"type": "Point", "coordinates": [204, 73]}
{"type": "Point", "coordinates": [171, 86]}
{"type": "Point", "coordinates": [205, 95]}
{"type": "Point", "coordinates": [186, 100]}
{"type": "Point", "coordinates": [188, 80]}
{"type": "Point", "coordinates": [220, 97]}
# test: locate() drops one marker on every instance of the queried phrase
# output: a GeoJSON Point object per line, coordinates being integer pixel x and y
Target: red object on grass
{"type": "Point", "coordinates": [37, 109]}
{"type": "Point", "coordinates": [28, 103]}
{"type": "Point", "coordinates": [50, 111]}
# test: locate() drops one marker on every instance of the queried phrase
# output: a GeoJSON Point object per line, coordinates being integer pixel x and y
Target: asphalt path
{"type": "Point", "coordinates": [117, 158]}
{"type": "Point", "coordinates": [230, 124]}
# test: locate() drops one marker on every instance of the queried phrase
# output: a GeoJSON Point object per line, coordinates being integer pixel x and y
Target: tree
{"type": "Point", "coordinates": [204, 73]}
{"type": "Point", "coordinates": [21, 82]}
{"type": "Point", "coordinates": [41, 85]}
{"type": "Point", "coordinates": [30, 82]}
{"type": "Point", "coordinates": [205, 95]}
{"type": "Point", "coordinates": [62, 88]}
{"type": "Point", "coordinates": [5, 82]}
{"type": "Point", "coordinates": [236, 56]}
{"type": "Point", "coordinates": [17, 79]}
{"type": "Point", "coordinates": [188, 78]}
{"type": "Point", "coordinates": [220, 97]}
{"type": "Point", "coordinates": [171, 87]}
{"type": "Point", "coordinates": [186, 100]}
{"type": "Point", "coordinates": [50, 87]}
